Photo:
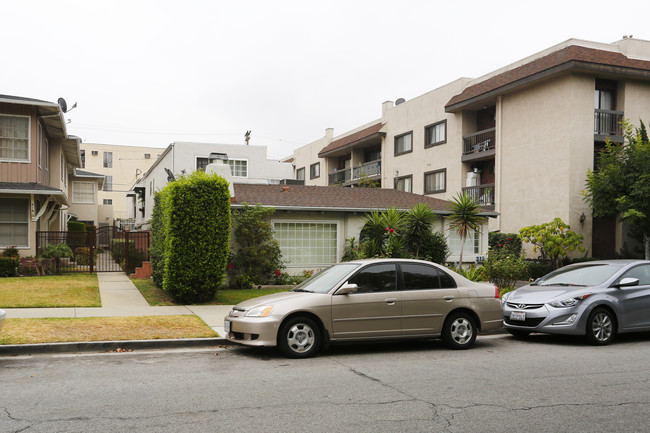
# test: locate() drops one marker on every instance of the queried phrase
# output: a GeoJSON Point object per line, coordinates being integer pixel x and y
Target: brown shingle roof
{"type": "Point", "coordinates": [564, 56]}
{"type": "Point", "coordinates": [351, 139]}
{"type": "Point", "coordinates": [331, 198]}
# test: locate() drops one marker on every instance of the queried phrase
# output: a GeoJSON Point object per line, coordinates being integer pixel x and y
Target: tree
{"type": "Point", "coordinates": [620, 182]}
{"type": "Point", "coordinates": [553, 241]}
{"type": "Point", "coordinates": [463, 219]}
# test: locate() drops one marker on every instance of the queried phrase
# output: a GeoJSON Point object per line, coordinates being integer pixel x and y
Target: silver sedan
{"type": "Point", "coordinates": [595, 299]}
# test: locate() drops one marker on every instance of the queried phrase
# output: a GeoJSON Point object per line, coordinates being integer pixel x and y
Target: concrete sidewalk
{"type": "Point", "coordinates": [120, 297]}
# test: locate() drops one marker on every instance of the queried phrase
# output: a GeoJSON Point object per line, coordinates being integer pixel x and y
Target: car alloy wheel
{"type": "Point", "coordinates": [601, 327]}
{"type": "Point", "coordinates": [459, 331]}
{"type": "Point", "coordinates": [299, 337]}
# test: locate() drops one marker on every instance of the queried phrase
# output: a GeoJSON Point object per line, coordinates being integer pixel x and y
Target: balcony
{"type": "Point", "coordinates": [348, 176]}
{"type": "Point", "coordinates": [483, 194]}
{"type": "Point", "coordinates": [479, 145]}
{"type": "Point", "coordinates": [607, 124]}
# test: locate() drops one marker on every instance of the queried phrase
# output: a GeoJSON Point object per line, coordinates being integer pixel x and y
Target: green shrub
{"type": "Point", "coordinates": [474, 273]}
{"type": "Point", "coordinates": [434, 248]}
{"type": "Point", "coordinates": [537, 269]}
{"type": "Point", "coordinates": [56, 252]}
{"type": "Point", "coordinates": [196, 219]}
{"type": "Point", "coordinates": [10, 252]}
{"type": "Point", "coordinates": [504, 269]}
{"type": "Point", "coordinates": [553, 241]}
{"type": "Point", "coordinates": [510, 243]}
{"type": "Point", "coordinates": [82, 255]}
{"type": "Point", "coordinates": [9, 266]}
{"type": "Point", "coordinates": [157, 250]}
{"type": "Point", "coordinates": [76, 235]}
{"type": "Point", "coordinates": [118, 252]}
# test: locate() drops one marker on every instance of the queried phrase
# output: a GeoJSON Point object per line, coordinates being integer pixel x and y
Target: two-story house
{"type": "Point", "coordinates": [519, 139]}
{"type": "Point", "coordinates": [36, 157]}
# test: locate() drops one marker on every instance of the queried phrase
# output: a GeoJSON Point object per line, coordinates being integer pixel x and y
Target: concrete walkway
{"type": "Point", "coordinates": [121, 298]}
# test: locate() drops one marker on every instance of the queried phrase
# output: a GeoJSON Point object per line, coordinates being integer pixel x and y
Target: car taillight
{"type": "Point", "coordinates": [497, 294]}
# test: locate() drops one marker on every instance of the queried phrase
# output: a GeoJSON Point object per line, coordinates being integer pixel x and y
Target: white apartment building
{"type": "Point", "coordinates": [519, 139]}
{"type": "Point", "coordinates": [121, 166]}
{"type": "Point", "coordinates": [248, 164]}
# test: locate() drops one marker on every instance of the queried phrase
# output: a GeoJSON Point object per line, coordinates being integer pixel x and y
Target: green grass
{"type": "Point", "coordinates": [72, 290]}
{"type": "Point", "coordinates": [157, 297]}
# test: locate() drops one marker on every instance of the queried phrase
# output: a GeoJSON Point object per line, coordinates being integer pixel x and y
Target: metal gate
{"type": "Point", "coordinates": [106, 249]}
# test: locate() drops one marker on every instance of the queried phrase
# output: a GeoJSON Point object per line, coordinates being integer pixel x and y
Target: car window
{"type": "Point", "coordinates": [376, 278]}
{"type": "Point", "coordinates": [326, 279]}
{"type": "Point", "coordinates": [641, 272]}
{"type": "Point", "coordinates": [446, 281]}
{"type": "Point", "coordinates": [420, 277]}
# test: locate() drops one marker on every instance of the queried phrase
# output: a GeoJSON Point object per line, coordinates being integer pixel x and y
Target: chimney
{"type": "Point", "coordinates": [329, 135]}
{"type": "Point", "coordinates": [386, 106]}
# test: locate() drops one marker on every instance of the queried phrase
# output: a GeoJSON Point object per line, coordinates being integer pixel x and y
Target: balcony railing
{"type": "Point", "coordinates": [608, 122]}
{"type": "Point", "coordinates": [480, 141]}
{"type": "Point", "coordinates": [372, 168]}
{"type": "Point", "coordinates": [483, 194]}
{"type": "Point", "coordinates": [339, 177]}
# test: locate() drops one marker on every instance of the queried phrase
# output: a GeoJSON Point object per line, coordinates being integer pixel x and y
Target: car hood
{"type": "Point", "coordinates": [542, 295]}
{"type": "Point", "coordinates": [272, 299]}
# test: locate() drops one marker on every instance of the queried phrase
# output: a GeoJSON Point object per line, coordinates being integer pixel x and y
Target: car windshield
{"type": "Point", "coordinates": [325, 280]}
{"type": "Point", "coordinates": [585, 275]}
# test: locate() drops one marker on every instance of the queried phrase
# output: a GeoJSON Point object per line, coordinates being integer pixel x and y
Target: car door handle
{"type": "Point", "coordinates": [448, 298]}
{"type": "Point", "coordinates": [391, 301]}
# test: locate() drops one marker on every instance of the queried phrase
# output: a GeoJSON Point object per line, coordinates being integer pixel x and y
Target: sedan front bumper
{"type": "Point", "coordinates": [252, 331]}
{"type": "Point", "coordinates": [544, 319]}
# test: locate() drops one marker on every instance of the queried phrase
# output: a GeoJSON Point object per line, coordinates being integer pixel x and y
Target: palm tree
{"type": "Point", "coordinates": [463, 219]}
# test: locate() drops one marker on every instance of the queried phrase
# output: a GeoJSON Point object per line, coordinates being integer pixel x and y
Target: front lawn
{"type": "Point", "coordinates": [70, 290]}
{"type": "Point", "coordinates": [60, 330]}
{"type": "Point", "coordinates": [157, 297]}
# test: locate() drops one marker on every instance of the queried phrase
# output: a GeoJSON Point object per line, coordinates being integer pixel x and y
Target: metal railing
{"type": "Point", "coordinates": [479, 141]}
{"type": "Point", "coordinates": [608, 122]}
{"type": "Point", "coordinates": [371, 168]}
{"type": "Point", "coordinates": [339, 176]}
{"type": "Point", "coordinates": [483, 194]}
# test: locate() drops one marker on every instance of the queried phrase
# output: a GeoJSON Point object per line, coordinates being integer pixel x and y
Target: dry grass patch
{"type": "Point", "coordinates": [60, 330]}
{"type": "Point", "coordinates": [76, 290]}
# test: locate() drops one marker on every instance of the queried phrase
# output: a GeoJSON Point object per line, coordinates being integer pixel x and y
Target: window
{"type": "Point", "coordinates": [404, 183]}
{"type": "Point", "coordinates": [435, 134]}
{"type": "Point", "coordinates": [14, 138]}
{"type": "Point", "coordinates": [238, 167]}
{"type": "Point", "coordinates": [642, 273]}
{"type": "Point", "coordinates": [108, 183]}
{"type": "Point", "coordinates": [307, 243]}
{"type": "Point", "coordinates": [83, 158]}
{"type": "Point", "coordinates": [300, 174]}
{"type": "Point", "coordinates": [40, 144]}
{"type": "Point", "coordinates": [14, 222]}
{"type": "Point", "coordinates": [83, 192]}
{"type": "Point", "coordinates": [376, 278]}
{"type": "Point", "coordinates": [108, 201]}
{"type": "Point", "coordinates": [314, 170]}
{"type": "Point", "coordinates": [404, 143]}
{"type": "Point", "coordinates": [425, 277]}
{"type": "Point", "coordinates": [47, 154]}
{"type": "Point", "coordinates": [62, 166]}
{"type": "Point", "coordinates": [108, 159]}
{"type": "Point", "coordinates": [472, 243]}
{"type": "Point", "coordinates": [435, 181]}
{"type": "Point", "coordinates": [201, 163]}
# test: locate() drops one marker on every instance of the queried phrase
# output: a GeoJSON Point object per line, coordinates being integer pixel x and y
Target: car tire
{"type": "Point", "coordinates": [299, 337]}
{"type": "Point", "coordinates": [518, 333]}
{"type": "Point", "coordinates": [601, 327]}
{"type": "Point", "coordinates": [459, 331]}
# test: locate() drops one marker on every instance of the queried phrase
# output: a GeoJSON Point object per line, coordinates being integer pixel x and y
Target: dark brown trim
{"type": "Point", "coordinates": [397, 179]}
{"type": "Point", "coordinates": [442, 170]}
{"type": "Point", "coordinates": [395, 153]}
{"type": "Point", "coordinates": [311, 170]}
{"type": "Point", "coordinates": [298, 170]}
{"type": "Point", "coordinates": [426, 134]}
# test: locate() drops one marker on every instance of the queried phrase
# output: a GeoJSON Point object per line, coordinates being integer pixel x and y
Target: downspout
{"type": "Point", "coordinates": [498, 163]}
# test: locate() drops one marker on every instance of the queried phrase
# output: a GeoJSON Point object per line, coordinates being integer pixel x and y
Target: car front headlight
{"type": "Point", "coordinates": [569, 302]}
{"type": "Point", "coordinates": [504, 298]}
{"type": "Point", "coordinates": [263, 311]}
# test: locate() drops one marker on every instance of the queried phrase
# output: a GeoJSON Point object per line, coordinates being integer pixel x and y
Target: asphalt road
{"type": "Point", "coordinates": [545, 384]}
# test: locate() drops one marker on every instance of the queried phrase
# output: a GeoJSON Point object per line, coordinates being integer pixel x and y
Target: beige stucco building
{"type": "Point", "coordinates": [520, 139]}
{"type": "Point", "coordinates": [121, 166]}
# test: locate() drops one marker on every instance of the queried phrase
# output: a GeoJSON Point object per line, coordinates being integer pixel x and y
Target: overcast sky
{"type": "Point", "coordinates": [148, 73]}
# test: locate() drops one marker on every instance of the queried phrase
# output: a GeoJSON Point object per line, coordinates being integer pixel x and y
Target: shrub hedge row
{"type": "Point", "coordinates": [9, 266]}
{"type": "Point", "coordinates": [191, 234]}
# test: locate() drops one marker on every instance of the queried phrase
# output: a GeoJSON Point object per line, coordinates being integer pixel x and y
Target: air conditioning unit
{"type": "Point", "coordinates": [95, 153]}
{"type": "Point", "coordinates": [147, 155]}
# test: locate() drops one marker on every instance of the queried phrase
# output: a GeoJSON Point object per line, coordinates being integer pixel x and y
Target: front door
{"type": "Point", "coordinates": [375, 310]}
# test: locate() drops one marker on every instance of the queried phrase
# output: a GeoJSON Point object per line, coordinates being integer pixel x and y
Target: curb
{"type": "Point", "coordinates": [108, 346]}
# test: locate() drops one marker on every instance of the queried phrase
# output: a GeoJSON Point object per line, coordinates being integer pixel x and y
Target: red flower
{"type": "Point", "coordinates": [391, 231]}
{"type": "Point", "coordinates": [509, 239]}
{"type": "Point", "coordinates": [500, 245]}
{"type": "Point", "coordinates": [277, 273]}
{"type": "Point", "coordinates": [387, 228]}
{"type": "Point", "coordinates": [231, 266]}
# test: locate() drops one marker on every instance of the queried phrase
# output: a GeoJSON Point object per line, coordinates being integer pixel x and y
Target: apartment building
{"type": "Point", "coordinates": [121, 166]}
{"type": "Point", "coordinates": [519, 139]}
{"type": "Point", "coordinates": [36, 158]}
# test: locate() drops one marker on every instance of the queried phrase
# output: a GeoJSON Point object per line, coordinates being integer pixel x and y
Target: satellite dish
{"type": "Point", "coordinates": [400, 101]}
{"type": "Point", "coordinates": [63, 104]}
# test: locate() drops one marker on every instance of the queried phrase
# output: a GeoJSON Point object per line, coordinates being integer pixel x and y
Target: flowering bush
{"type": "Point", "coordinates": [504, 269]}
{"type": "Point", "coordinates": [10, 252]}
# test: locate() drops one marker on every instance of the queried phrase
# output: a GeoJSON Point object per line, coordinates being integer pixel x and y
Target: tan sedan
{"type": "Point", "coordinates": [368, 300]}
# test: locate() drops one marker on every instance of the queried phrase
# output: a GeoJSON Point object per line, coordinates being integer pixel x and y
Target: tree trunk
{"type": "Point", "coordinates": [460, 258]}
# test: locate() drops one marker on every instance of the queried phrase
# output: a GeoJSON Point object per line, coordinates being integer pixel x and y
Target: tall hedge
{"type": "Point", "coordinates": [196, 220]}
{"type": "Point", "coordinates": [157, 250]}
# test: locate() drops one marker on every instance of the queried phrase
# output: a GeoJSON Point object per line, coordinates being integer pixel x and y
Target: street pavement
{"type": "Point", "coordinates": [119, 298]}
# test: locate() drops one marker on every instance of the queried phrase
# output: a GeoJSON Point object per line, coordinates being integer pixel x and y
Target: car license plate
{"type": "Point", "coordinates": [518, 315]}
{"type": "Point", "coordinates": [226, 326]}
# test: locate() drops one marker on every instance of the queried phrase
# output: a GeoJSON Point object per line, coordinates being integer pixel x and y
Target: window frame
{"type": "Point", "coordinates": [397, 137]}
{"type": "Point", "coordinates": [427, 134]}
{"type": "Point", "coordinates": [235, 160]}
{"type": "Point", "coordinates": [300, 173]}
{"type": "Point", "coordinates": [26, 221]}
{"type": "Point", "coordinates": [28, 140]}
{"type": "Point", "coordinates": [308, 263]}
{"type": "Point", "coordinates": [312, 169]}
{"type": "Point", "coordinates": [433, 172]}
{"type": "Point", "coordinates": [108, 160]}
{"type": "Point", "coordinates": [76, 184]}
{"type": "Point", "coordinates": [108, 183]}
{"type": "Point", "coordinates": [400, 178]}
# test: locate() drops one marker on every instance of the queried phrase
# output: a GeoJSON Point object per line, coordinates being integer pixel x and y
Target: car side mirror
{"type": "Point", "coordinates": [628, 282]}
{"type": "Point", "coordinates": [347, 288]}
